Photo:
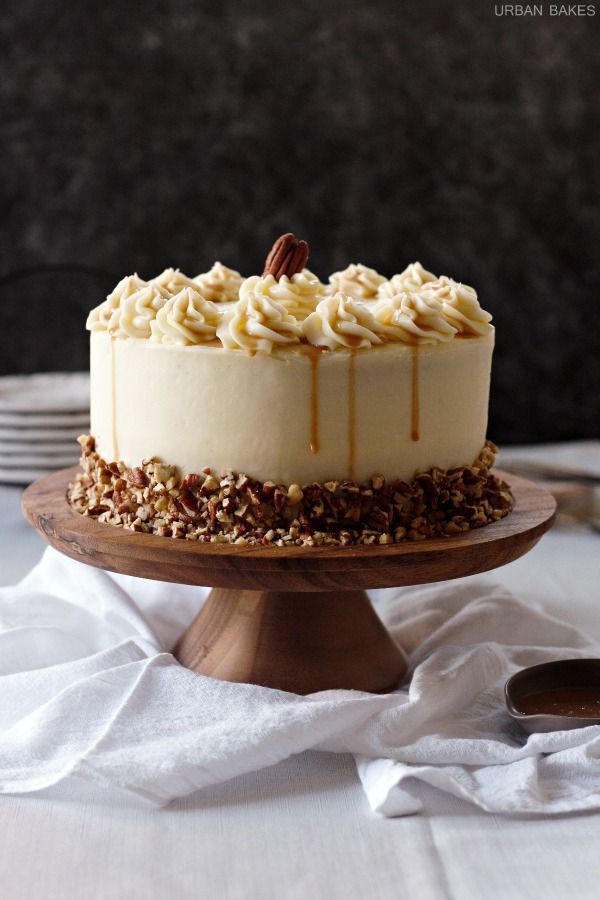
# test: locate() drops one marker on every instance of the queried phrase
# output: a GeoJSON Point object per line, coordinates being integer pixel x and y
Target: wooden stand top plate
{"type": "Point", "coordinates": [287, 568]}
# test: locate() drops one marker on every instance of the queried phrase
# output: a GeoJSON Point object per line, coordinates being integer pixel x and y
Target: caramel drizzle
{"type": "Point", "coordinates": [314, 355]}
{"type": "Point", "coordinates": [113, 368]}
{"type": "Point", "coordinates": [351, 414]}
{"type": "Point", "coordinates": [414, 417]}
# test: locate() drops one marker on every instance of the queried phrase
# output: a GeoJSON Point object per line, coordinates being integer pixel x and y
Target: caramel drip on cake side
{"type": "Point", "coordinates": [351, 414]}
{"type": "Point", "coordinates": [414, 423]}
{"type": "Point", "coordinates": [314, 355]}
{"type": "Point", "coordinates": [113, 376]}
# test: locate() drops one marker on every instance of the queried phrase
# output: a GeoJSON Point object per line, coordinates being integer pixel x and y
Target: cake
{"type": "Point", "coordinates": [281, 409]}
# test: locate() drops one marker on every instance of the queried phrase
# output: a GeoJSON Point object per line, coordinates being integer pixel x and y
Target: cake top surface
{"type": "Point", "coordinates": [356, 309]}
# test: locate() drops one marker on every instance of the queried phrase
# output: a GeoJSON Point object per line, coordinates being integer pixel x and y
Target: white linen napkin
{"type": "Point", "coordinates": [89, 690]}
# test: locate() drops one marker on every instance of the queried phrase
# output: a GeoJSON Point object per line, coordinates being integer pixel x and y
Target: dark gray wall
{"type": "Point", "coordinates": [174, 133]}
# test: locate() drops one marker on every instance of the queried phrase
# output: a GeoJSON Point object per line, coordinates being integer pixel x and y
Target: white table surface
{"type": "Point", "coordinates": [302, 829]}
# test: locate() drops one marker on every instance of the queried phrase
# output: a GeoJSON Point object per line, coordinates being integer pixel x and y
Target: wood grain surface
{"type": "Point", "coordinates": [293, 641]}
{"type": "Point", "coordinates": [286, 568]}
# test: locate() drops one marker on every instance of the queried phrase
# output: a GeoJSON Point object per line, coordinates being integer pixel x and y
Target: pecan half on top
{"type": "Point", "coordinates": [287, 256]}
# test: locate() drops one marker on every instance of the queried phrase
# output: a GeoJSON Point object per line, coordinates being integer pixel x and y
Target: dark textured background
{"type": "Point", "coordinates": [174, 133]}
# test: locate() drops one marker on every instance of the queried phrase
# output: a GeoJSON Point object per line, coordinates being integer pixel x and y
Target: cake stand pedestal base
{"type": "Point", "coordinates": [296, 642]}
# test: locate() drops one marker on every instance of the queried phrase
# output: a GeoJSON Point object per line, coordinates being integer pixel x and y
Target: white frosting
{"type": "Point", "coordinates": [412, 278]}
{"type": "Point", "coordinates": [460, 305]}
{"type": "Point", "coordinates": [173, 280]}
{"type": "Point", "coordinates": [298, 294]}
{"type": "Point", "coordinates": [340, 321]}
{"type": "Point", "coordinates": [412, 318]}
{"type": "Point", "coordinates": [219, 283]}
{"type": "Point", "coordinates": [186, 318]}
{"type": "Point", "coordinates": [134, 315]}
{"type": "Point", "coordinates": [100, 316]}
{"type": "Point", "coordinates": [357, 281]}
{"type": "Point", "coordinates": [258, 323]}
{"type": "Point", "coordinates": [209, 406]}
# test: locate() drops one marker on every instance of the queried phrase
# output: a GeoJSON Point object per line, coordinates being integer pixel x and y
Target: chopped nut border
{"type": "Point", "coordinates": [235, 508]}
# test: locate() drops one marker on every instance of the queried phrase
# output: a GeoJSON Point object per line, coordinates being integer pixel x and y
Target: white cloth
{"type": "Point", "coordinates": [89, 690]}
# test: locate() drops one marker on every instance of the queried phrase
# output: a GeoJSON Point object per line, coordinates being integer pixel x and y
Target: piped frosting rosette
{"type": "Point", "coordinates": [173, 280]}
{"type": "Point", "coordinates": [186, 318]}
{"type": "Point", "coordinates": [100, 316]}
{"type": "Point", "coordinates": [412, 318]}
{"type": "Point", "coordinates": [298, 294]}
{"type": "Point", "coordinates": [341, 321]}
{"type": "Point", "coordinates": [460, 305]}
{"type": "Point", "coordinates": [356, 281]}
{"type": "Point", "coordinates": [258, 323]}
{"type": "Point", "coordinates": [134, 315]}
{"type": "Point", "coordinates": [412, 278]}
{"type": "Point", "coordinates": [220, 283]}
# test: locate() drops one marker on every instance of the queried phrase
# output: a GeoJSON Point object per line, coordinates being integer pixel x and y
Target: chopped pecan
{"type": "Point", "coordinates": [279, 499]}
{"type": "Point", "coordinates": [96, 510]}
{"type": "Point", "coordinates": [138, 478]}
{"type": "Point", "coordinates": [152, 498]}
{"type": "Point", "coordinates": [378, 519]}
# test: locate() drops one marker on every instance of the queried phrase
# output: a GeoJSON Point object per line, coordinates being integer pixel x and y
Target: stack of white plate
{"type": "Point", "coordinates": [41, 417]}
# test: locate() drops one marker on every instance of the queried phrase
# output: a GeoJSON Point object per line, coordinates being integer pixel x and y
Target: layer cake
{"type": "Point", "coordinates": [280, 409]}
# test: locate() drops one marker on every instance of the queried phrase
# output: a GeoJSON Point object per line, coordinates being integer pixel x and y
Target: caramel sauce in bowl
{"type": "Point", "coordinates": [555, 696]}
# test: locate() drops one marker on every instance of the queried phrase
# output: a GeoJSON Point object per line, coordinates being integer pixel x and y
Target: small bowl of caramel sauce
{"type": "Point", "coordinates": [555, 696]}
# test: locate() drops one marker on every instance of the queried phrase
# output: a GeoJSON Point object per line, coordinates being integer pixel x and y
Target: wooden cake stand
{"type": "Point", "coordinates": [294, 618]}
